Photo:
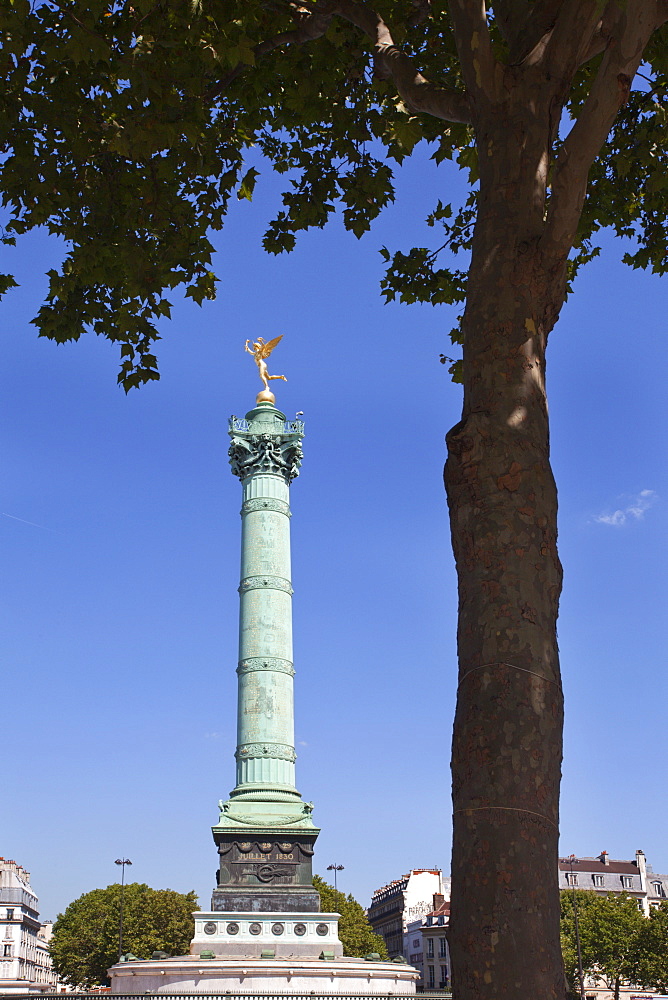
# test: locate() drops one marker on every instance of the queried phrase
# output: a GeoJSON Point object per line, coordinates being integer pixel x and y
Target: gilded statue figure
{"type": "Point", "coordinates": [260, 351]}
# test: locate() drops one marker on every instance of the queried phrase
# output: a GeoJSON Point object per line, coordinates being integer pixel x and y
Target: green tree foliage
{"type": "Point", "coordinates": [355, 932]}
{"type": "Point", "coordinates": [85, 937]}
{"type": "Point", "coordinates": [612, 930]}
{"type": "Point", "coordinates": [650, 966]}
{"type": "Point", "coordinates": [126, 127]}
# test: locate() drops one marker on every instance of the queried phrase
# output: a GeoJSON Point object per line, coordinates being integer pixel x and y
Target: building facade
{"type": "Point", "coordinates": [605, 875]}
{"type": "Point", "coordinates": [25, 963]}
{"type": "Point", "coordinates": [435, 973]}
{"type": "Point", "coordinates": [398, 910]}
{"type": "Point", "coordinates": [412, 913]}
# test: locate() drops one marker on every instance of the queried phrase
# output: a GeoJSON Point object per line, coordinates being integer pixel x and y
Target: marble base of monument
{"type": "Point", "coordinates": [264, 976]}
{"type": "Point", "coordinates": [264, 953]}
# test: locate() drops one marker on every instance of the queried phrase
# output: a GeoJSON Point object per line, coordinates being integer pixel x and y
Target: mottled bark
{"type": "Point", "coordinates": [507, 749]}
{"type": "Point", "coordinates": [506, 762]}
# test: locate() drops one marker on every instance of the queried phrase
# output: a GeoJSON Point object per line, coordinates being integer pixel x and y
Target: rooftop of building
{"type": "Point", "coordinates": [602, 863]}
{"type": "Point", "coordinates": [8, 866]}
{"type": "Point", "coordinates": [401, 883]}
{"type": "Point", "coordinates": [594, 865]}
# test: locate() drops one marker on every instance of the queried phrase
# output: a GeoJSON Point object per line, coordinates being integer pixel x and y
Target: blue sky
{"type": "Point", "coordinates": [120, 541]}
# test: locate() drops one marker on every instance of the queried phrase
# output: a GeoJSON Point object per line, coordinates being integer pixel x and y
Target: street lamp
{"type": "Point", "coordinates": [335, 869]}
{"type": "Point", "coordinates": [572, 859]}
{"type": "Point", "coordinates": [122, 862]}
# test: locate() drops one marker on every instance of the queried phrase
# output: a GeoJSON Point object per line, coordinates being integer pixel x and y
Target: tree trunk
{"type": "Point", "coordinates": [506, 761]}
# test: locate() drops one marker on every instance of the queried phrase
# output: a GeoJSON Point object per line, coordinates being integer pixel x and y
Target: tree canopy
{"type": "Point", "coordinates": [355, 933]}
{"type": "Point", "coordinates": [618, 944]}
{"type": "Point", "coordinates": [126, 127]}
{"type": "Point", "coordinates": [650, 965]}
{"type": "Point", "coordinates": [86, 936]}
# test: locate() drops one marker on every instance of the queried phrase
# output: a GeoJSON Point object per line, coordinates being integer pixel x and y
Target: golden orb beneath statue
{"type": "Point", "coordinates": [265, 397]}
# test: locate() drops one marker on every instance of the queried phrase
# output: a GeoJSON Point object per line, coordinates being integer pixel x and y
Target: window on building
{"type": "Point", "coordinates": [432, 977]}
{"type": "Point", "coordinates": [572, 878]}
{"type": "Point", "coordinates": [441, 948]}
{"type": "Point", "coordinates": [640, 906]}
{"type": "Point", "coordinates": [430, 948]}
{"type": "Point", "coordinates": [8, 951]}
{"type": "Point", "coordinates": [443, 977]}
{"type": "Point", "coordinates": [627, 881]}
{"type": "Point", "coordinates": [10, 914]}
{"type": "Point", "coordinates": [597, 880]}
{"type": "Point", "coordinates": [658, 889]}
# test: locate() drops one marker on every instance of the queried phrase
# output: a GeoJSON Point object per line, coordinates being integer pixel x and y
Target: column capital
{"type": "Point", "coordinates": [265, 443]}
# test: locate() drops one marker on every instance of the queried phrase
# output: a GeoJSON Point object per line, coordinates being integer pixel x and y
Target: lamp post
{"type": "Point", "coordinates": [335, 869]}
{"type": "Point", "coordinates": [572, 859]}
{"type": "Point", "coordinates": [122, 862]}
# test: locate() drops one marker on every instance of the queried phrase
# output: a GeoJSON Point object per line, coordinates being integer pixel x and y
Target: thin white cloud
{"type": "Point", "coordinates": [23, 521]}
{"type": "Point", "coordinates": [635, 510]}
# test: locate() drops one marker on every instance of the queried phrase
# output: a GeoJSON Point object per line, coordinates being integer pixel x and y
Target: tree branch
{"type": "Point", "coordinates": [603, 31]}
{"type": "Point", "coordinates": [538, 24]}
{"type": "Point", "coordinates": [571, 36]}
{"type": "Point", "coordinates": [609, 91]}
{"type": "Point", "coordinates": [416, 91]}
{"type": "Point", "coordinates": [474, 48]}
{"type": "Point", "coordinates": [68, 13]}
{"type": "Point", "coordinates": [509, 16]}
{"type": "Point", "coordinates": [312, 25]}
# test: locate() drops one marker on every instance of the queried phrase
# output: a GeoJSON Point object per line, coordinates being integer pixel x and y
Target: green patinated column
{"type": "Point", "coordinates": [265, 834]}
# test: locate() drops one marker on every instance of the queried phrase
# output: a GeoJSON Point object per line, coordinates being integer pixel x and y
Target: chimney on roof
{"type": "Point", "coordinates": [438, 899]}
{"type": "Point", "coordinates": [603, 856]}
{"type": "Point", "coordinates": [641, 863]}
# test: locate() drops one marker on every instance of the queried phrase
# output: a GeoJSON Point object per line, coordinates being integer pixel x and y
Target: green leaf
{"type": "Point", "coordinates": [406, 133]}
{"type": "Point", "coordinates": [6, 282]}
{"type": "Point", "coordinates": [247, 185]}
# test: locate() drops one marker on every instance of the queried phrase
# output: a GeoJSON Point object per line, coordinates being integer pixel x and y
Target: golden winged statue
{"type": "Point", "coordinates": [260, 351]}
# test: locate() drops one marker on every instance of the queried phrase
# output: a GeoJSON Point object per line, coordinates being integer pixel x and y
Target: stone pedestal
{"type": "Point", "coordinates": [268, 872]}
{"type": "Point", "coordinates": [272, 935]}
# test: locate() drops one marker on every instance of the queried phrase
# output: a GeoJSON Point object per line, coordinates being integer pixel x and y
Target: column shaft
{"type": "Point", "coordinates": [265, 728]}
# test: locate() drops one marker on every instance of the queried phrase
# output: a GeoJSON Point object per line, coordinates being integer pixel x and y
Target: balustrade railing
{"type": "Point", "coordinates": [239, 425]}
{"type": "Point", "coordinates": [238, 995]}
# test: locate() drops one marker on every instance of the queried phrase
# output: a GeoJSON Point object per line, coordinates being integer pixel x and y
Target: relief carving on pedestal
{"type": "Point", "coordinates": [267, 873]}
